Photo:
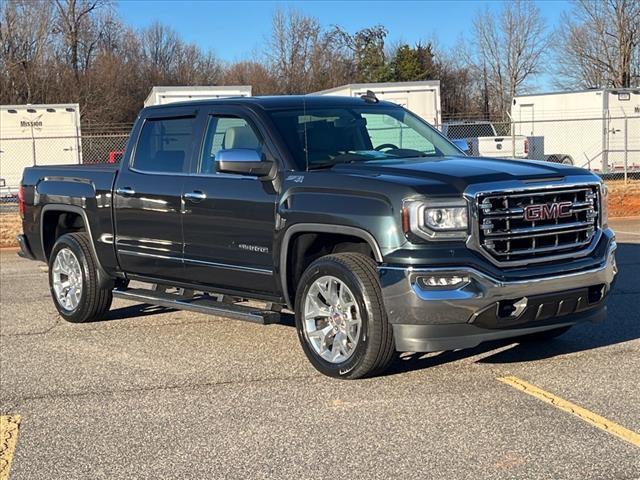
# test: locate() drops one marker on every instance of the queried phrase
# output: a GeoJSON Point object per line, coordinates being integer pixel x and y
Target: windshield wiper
{"type": "Point", "coordinates": [343, 158]}
{"type": "Point", "coordinates": [320, 166]}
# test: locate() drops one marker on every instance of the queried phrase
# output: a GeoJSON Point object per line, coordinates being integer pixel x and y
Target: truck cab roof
{"type": "Point", "coordinates": [278, 102]}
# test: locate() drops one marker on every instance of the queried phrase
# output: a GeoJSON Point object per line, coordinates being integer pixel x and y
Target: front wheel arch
{"type": "Point", "coordinates": [317, 228]}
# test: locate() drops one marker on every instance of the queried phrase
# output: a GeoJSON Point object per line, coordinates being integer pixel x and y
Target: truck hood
{"type": "Point", "coordinates": [458, 172]}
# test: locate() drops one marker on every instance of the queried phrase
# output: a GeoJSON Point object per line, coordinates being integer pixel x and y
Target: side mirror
{"type": "Point", "coordinates": [462, 144]}
{"type": "Point", "coordinates": [243, 161]}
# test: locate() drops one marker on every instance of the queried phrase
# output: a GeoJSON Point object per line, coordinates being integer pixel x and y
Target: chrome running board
{"type": "Point", "coordinates": [201, 303]}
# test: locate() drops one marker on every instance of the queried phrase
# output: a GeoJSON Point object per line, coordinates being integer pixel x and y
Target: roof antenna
{"type": "Point", "coordinates": [369, 97]}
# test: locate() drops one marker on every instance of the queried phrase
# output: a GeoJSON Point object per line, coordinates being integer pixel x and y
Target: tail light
{"type": "Point", "coordinates": [526, 145]}
{"type": "Point", "coordinates": [21, 201]}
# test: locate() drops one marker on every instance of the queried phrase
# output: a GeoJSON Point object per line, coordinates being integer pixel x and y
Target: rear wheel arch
{"type": "Point", "coordinates": [55, 223]}
{"type": "Point", "coordinates": [57, 220]}
{"type": "Point", "coordinates": [299, 249]}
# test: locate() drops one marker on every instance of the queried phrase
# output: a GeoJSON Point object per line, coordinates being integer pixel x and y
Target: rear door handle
{"type": "Point", "coordinates": [125, 191]}
{"type": "Point", "coordinates": [195, 196]}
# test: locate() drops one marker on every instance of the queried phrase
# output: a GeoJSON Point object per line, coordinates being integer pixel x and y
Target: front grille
{"type": "Point", "coordinates": [509, 235]}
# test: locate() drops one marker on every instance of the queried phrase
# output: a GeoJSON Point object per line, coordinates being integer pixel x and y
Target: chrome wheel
{"type": "Point", "coordinates": [67, 279]}
{"type": "Point", "coordinates": [332, 321]}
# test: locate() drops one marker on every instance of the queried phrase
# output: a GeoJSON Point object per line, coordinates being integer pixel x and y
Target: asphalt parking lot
{"type": "Point", "coordinates": [155, 393]}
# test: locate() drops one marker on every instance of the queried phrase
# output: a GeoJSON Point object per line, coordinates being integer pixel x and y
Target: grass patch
{"type": "Point", "coordinates": [10, 226]}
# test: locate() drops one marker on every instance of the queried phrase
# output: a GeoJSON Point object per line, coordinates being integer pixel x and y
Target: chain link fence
{"type": "Point", "coordinates": [16, 154]}
{"type": "Point", "coordinates": [608, 146]}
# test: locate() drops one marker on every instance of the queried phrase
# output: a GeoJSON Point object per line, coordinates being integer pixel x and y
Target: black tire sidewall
{"type": "Point", "coordinates": [78, 314]}
{"type": "Point", "coordinates": [319, 269]}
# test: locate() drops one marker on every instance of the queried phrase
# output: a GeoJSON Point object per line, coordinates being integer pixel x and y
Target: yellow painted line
{"type": "Point", "coordinates": [9, 426]}
{"type": "Point", "coordinates": [582, 413]}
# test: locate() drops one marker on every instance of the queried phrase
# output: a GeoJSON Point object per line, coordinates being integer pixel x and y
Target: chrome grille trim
{"type": "Point", "coordinates": [545, 229]}
{"type": "Point", "coordinates": [500, 232]}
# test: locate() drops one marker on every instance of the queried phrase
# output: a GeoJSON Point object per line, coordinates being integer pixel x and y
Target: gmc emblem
{"type": "Point", "coordinates": [547, 211]}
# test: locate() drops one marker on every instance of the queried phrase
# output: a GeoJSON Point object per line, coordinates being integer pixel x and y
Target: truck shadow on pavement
{"type": "Point", "coordinates": [137, 310]}
{"type": "Point", "coordinates": [622, 325]}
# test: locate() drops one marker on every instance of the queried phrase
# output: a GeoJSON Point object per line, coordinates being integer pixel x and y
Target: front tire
{"type": "Point", "coordinates": [340, 317]}
{"type": "Point", "coordinates": [73, 280]}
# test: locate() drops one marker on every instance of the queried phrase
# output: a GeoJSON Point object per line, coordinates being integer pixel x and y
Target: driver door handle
{"type": "Point", "coordinates": [195, 196]}
{"type": "Point", "coordinates": [125, 191]}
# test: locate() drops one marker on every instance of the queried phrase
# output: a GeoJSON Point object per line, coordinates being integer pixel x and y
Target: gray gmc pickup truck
{"type": "Point", "coordinates": [378, 232]}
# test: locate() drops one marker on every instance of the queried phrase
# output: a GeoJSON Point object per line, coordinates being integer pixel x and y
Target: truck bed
{"type": "Point", "coordinates": [100, 176]}
{"type": "Point", "coordinates": [84, 189]}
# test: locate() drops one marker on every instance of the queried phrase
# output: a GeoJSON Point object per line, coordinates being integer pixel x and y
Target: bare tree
{"type": "Point", "coordinates": [511, 45]}
{"type": "Point", "coordinates": [292, 44]}
{"type": "Point", "coordinates": [600, 44]}
{"type": "Point", "coordinates": [24, 41]}
{"type": "Point", "coordinates": [81, 33]}
{"type": "Point", "coordinates": [160, 47]}
{"type": "Point", "coordinates": [252, 73]}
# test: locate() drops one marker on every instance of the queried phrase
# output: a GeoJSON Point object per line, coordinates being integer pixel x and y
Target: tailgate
{"type": "Point", "coordinates": [501, 147]}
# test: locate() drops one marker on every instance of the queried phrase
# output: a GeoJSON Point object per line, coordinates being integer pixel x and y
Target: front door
{"type": "Point", "coordinates": [148, 198]}
{"type": "Point", "coordinates": [228, 219]}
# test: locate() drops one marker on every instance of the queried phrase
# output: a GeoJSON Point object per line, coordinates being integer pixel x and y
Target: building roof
{"type": "Point", "coordinates": [584, 90]}
{"type": "Point", "coordinates": [196, 89]}
{"type": "Point", "coordinates": [381, 85]}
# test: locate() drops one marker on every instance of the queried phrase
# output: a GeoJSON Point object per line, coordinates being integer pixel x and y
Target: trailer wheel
{"type": "Point", "coordinates": [73, 280]}
{"type": "Point", "coordinates": [340, 318]}
{"type": "Point", "coordinates": [566, 160]}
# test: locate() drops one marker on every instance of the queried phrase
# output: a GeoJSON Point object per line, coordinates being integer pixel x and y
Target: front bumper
{"type": "Point", "coordinates": [485, 308]}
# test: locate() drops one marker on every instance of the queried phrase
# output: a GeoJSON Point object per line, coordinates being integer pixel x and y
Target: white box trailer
{"type": "Point", "coordinates": [422, 98]}
{"type": "Point", "coordinates": [37, 135]}
{"type": "Point", "coordinates": [164, 95]}
{"type": "Point", "coordinates": [595, 129]}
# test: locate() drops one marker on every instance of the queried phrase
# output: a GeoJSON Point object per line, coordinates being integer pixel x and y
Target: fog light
{"type": "Point", "coordinates": [440, 281]}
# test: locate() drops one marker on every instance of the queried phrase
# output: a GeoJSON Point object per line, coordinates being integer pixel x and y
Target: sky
{"type": "Point", "coordinates": [236, 30]}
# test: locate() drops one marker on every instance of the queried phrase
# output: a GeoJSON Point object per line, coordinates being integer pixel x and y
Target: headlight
{"type": "Point", "coordinates": [437, 219]}
{"type": "Point", "coordinates": [604, 205]}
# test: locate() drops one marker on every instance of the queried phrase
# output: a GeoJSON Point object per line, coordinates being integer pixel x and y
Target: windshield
{"type": "Point", "coordinates": [321, 138]}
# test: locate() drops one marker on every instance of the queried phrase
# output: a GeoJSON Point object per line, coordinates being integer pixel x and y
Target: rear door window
{"type": "Point", "coordinates": [164, 145]}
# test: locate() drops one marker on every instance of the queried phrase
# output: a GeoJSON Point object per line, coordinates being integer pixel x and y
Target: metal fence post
{"type": "Point", "coordinates": [33, 145]}
{"type": "Point", "coordinates": [626, 148]}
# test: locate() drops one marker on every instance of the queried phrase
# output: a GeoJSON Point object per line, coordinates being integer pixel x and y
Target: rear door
{"type": "Point", "coordinates": [148, 195]}
{"type": "Point", "coordinates": [229, 219]}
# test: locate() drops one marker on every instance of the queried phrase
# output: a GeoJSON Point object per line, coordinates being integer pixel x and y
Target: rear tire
{"type": "Point", "coordinates": [73, 280]}
{"type": "Point", "coordinates": [545, 336]}
{"type": "Point", "coordinates": [566, 161]}
{"type": "Point", "coordinates": [352, 312]}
